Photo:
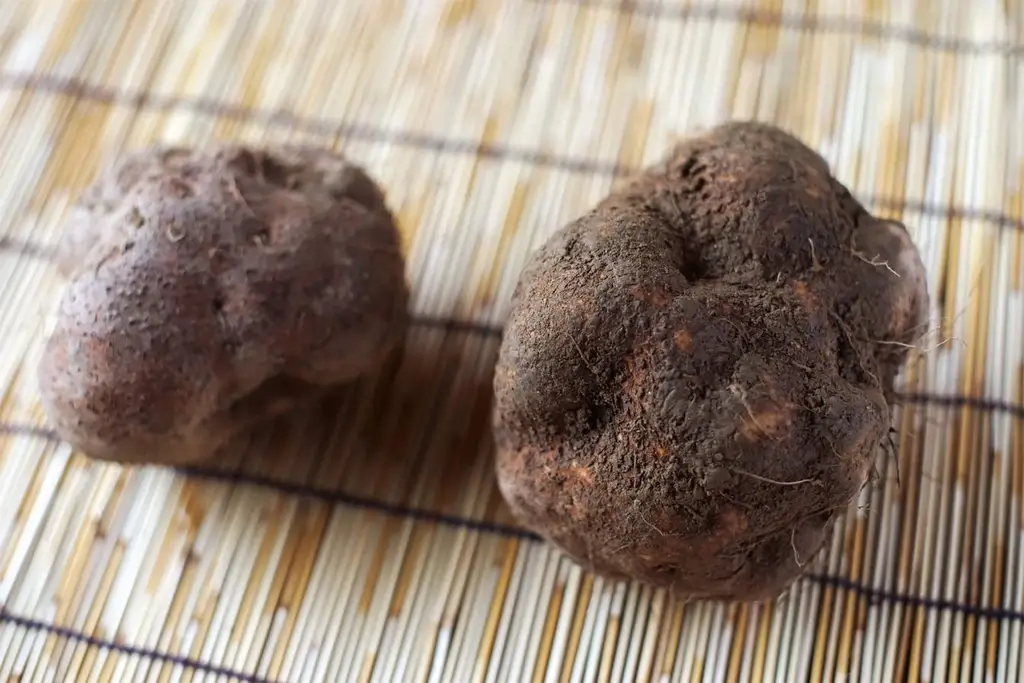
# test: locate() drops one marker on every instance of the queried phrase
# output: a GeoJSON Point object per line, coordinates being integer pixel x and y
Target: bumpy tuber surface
{"type": "Point", "coordinates": [696, 374]}
{"type": "Point", "coordinates": [210, 290]}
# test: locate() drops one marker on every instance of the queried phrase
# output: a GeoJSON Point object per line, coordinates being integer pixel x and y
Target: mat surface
{"type": "Point", "coordinates": [365, 540]}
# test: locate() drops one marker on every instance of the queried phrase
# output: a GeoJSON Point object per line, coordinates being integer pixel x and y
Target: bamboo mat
{"type": "Point", "coordinates": [364, 540]}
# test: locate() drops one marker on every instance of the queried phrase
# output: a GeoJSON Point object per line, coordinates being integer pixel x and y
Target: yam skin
{"type": "Point", "coordinates": [210, 290]}
{"type": "Point", "coordinates": [696, 375]}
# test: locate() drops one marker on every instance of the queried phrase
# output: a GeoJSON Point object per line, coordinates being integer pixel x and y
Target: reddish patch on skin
{"type": "Point", "coordinates": [806, 297]}
{"type": "Point", "coordinates": [545, 461]}
{"type": "Point", "coordinates": [576, 477]}
{"type": "Point", "coordinates": [635, 381]}
{"type": "Point", "coordinates": [573, 510]}
{"type": "Point", "coordinates": [655, 296]}
{"type": "Point", "coordinates": [578, 474]}
{"type": "Point", "coordinates": [772, 422]}
{"type": "Point", "coordinates": [732, 522]}
{"type": "Point", "coordinates": [684, 340]}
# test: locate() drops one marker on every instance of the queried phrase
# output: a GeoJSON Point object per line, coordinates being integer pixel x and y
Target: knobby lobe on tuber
{"type": "Point", "coordinates": [210, 290]}
{"type": "Point", "coordinates": [696, 374]}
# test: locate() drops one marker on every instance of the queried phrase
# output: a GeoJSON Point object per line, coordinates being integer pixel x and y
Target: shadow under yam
{"type": "Point", "coordinates": [415, 434]}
